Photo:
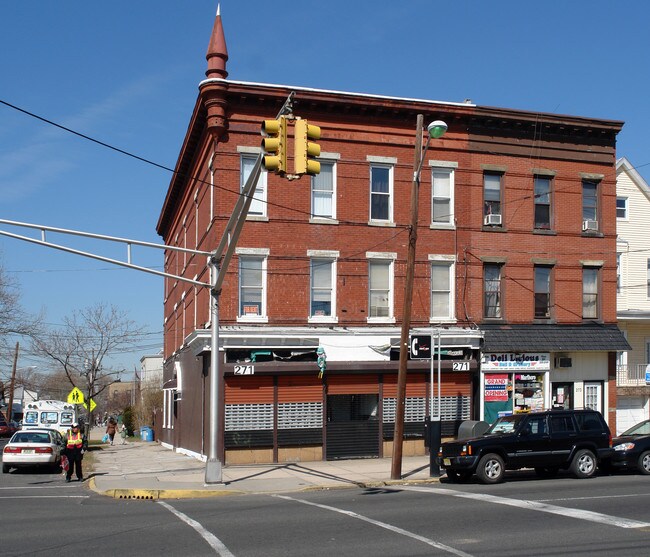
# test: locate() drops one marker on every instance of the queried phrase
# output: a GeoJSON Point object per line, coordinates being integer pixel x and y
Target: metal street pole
{"type": "Point", "coordinates": [398, 435]}
{"type": "Point", "coordinates": [435, 424]}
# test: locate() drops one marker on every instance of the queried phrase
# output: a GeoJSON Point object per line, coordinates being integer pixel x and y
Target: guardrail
{"type": "Point", "coordinates": [631, 376]}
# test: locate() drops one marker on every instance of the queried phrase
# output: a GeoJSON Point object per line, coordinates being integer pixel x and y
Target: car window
{"type": "Point", "coordinates": [506, 424]}
{"type": "Point", "coordinates": [536, 425]}
{"type": "Point", "coordinates": [31, 417]}
{"type": "Point", "coordinates": [639, 429]}
{"type": "Point", "coordinates": [561, 424]}
{"type": "Point", "coordinates": [588, 422]}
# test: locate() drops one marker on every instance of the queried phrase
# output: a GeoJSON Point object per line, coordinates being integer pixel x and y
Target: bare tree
{"type": "Point", "coordinates": [82, 347]}
{"type": "Point", "coordinates": [14, 321]}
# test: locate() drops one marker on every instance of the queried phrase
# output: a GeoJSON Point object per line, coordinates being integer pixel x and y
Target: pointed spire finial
{"type": "Point", "coordinates": [217, 54]}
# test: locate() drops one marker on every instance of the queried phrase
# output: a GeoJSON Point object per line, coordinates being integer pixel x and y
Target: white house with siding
{"type": "Point", "coordinates": [633, 294]}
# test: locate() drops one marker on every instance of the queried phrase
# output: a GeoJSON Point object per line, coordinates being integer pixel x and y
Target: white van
{"type": "Point", "coordinates": [52, 414]}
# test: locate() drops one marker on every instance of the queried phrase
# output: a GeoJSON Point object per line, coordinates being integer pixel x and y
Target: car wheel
{"type": "Point", "coordinates": [583, 464]}
{"type": "Point", "coordinates": [643, 464]}
{"type": "Point", "coordinates": [547, 471]}
{"type": "Point", "coordinates": [5, 468]}
{"type": "Point", "coordinates": [490, 469]}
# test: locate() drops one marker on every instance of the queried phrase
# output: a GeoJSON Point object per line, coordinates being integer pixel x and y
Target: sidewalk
{"type": "Point", "coordinates": [146, 470]}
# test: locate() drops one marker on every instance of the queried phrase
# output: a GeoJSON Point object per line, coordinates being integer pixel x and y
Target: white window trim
{"type": "Point", "coordinates": [451, 261]}
{"type": "Point", "coordinates": [245, 150]}
{"type": "Point", "coordinates": [390, 257]}
{"type": "Point", "coordinates": [627, 208]}
{"type": "Point", "coordinates": [332, 256]}
{"type": "Point", "coordinates": [451, 167]}
{"type": "Point", "coordinates": [384, 162]}
{"type": "Point", "coordinates": [331, 158]}
{"type": "Point", "coordinates": [254, 252]}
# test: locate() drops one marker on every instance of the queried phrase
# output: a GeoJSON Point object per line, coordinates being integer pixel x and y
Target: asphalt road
{"type": "Point", "coordinates": [41, 515]}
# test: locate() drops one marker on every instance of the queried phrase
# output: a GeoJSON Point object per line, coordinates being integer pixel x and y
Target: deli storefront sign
{"type": "Point", "coordinates": [516, 361]}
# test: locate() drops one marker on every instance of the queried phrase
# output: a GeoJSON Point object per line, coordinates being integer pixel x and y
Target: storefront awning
{"type": "Point", "coordinates": [553, 338]}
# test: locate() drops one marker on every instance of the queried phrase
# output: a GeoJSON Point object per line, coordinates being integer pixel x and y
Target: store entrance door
{"type": "Point", "coordinates": [352, 426]}
{"type": "Point", "coordinates": [562, 395]}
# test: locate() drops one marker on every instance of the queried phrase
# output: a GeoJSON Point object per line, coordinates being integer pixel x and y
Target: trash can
{"type": "Point", "coordinates": [147, 433]}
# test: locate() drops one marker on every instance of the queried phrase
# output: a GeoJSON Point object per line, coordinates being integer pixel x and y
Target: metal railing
{"type": "Point", "coordinates": [631, 375]}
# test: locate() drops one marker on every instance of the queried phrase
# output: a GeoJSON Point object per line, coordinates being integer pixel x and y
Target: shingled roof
{"type": "Point", "coordinates": [553, 338]}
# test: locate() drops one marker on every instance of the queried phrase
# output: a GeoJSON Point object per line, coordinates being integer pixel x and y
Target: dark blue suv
{"type": "Point", "coordinates": [547, 441]}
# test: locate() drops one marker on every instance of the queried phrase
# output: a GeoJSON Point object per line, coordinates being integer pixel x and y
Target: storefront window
{"type": "Point", "coordinates": [529, 392]}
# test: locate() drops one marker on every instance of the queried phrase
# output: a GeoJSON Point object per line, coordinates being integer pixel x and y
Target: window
{"type": "Point", "coordinates": [589, 203]}
{"type": "Point", "coordinates": [442, 203]}
{"type": "Point", "coordinates": [258, 204]}
{"type": "Point", "coordinates": [492, 290]}
{"type": "Point", "coordinates": [589, 293]}
{"type": "Point", "coordinates": [322, 295]}
{"type": "Point", "coordinates": [621, 207]}
{"type": "Point", "coordinates": [542, 292]}
{"type": "Point", "coordinates": [379, 287]}
{"type": "Point", "coordinates": [252, 271]}
{"type": "Point", "coordinates": [323, 200]}
{"type": "Point", "coordinates": [542, 202]}
{"type": "Point", "coordinates": [491, 194]}
{"type": "Point", "coordinates": [381, 192]}
{"type": "Point", "coordinates": [441, 290]}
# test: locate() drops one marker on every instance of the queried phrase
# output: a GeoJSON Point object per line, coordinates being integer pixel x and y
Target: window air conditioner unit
{"type": "Point", "coordinates": [492, 220]}
{"type": "Point", "coordinates": [563, 361]}
{"type": "Point", "coordinates": [589, 225]}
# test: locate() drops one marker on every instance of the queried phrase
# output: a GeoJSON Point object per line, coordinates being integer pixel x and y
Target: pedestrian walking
{"type": "Point", "coordinates": [123, 433]}
{"type": "Point", "coordinates": [74, 451]}
{"type": "Point", "coordinates": [111, 429]}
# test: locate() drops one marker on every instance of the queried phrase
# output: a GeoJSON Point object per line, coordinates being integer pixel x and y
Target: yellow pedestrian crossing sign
{"type": "Point", "coordinates": [93, 405]}
{"type": "Point", "coordinates": [75, 396]}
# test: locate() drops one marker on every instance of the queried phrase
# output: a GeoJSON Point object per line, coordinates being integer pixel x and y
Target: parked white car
{"type": "Point", "coordinates": [33, 447]}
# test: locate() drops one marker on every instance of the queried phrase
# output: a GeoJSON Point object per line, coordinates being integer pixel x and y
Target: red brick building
{"type": "Point", "coordinates": [515, 270]}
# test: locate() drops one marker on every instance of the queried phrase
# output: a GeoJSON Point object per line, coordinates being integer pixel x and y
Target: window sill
{"type": "Point", "coordinates": [544, 232]}
{"type": "Point", "coordinates": [493, 320]}
{"type": "Point", "coordinates": [258, 218]}
{"type": "Point", "coordinates": [494, 229]}
{"type": "Point", "coordinates": [590, 234]}
{"type": "Point", "coordinates": [435, 320]}
{"type": "Point", "coordinates": [380, 320]}
{"type": "Point", "coordinates": [323, 320]}
{"type": "Point", "coordinates": [323, 220]}
{"type": "Point", "coordinates": [260, 319]}
{"type": "Point", "coordinates": [386, 223]}
{"type": "Point", "coordinates": [442, 226]}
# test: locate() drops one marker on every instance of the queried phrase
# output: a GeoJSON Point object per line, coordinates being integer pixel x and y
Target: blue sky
{"type": "Point", "coordinates": [126, 73]}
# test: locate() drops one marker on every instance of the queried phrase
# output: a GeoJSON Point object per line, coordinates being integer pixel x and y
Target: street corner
{"type": "Point", "coordinates": [158, 494]}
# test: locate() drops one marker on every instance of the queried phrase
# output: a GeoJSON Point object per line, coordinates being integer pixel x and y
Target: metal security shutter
{"type": "Point", "coordinates": [248, 412]}
{"type": "Point", "coordinates": [352, 417]}
{"type": "Point", "coordinates": [415, 408]}
{"type": "Point", "coordinates": [300, 410]}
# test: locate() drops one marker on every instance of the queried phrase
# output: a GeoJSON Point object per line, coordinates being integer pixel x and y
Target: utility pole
{"type": "Point", "coordinates": [11, 386]}
{"type": "Point", "coordinates": [398, 435]}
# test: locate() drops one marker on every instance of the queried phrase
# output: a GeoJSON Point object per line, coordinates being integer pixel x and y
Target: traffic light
{"type": "Point", "coordinates": [275, 145]}
{"type": "Point", "coordinates": [305, 150]}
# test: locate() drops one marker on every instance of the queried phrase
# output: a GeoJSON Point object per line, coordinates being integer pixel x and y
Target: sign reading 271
{"type": "Point", "coordinates": [460, 366]}
{"type": "Point", "coordinates": [245, 370]}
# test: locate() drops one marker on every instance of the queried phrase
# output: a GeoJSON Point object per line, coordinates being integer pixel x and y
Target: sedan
{"type": "Point", "coordinates": [631, 449]}
{"type": "Point", "coordinates": [33, 447]}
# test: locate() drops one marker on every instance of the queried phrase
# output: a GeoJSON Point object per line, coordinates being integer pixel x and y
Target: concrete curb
{"type": "Point", "coordinates": [157, 494]}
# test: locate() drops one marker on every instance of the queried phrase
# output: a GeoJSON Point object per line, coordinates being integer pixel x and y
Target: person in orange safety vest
{"type": "Point", "coordinates": [74, 452]}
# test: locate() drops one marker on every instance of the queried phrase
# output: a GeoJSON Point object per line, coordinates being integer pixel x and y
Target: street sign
{"type": "Point", "coordinates": [420, 347]}
{"type": "Point", "coordinates": [93, 405]}
{"type": "Point", "coordinates": [75, 396]}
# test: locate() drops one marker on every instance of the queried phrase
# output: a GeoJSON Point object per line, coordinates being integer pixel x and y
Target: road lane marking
{"type": "Point", "coordinates": [536, 506]}
{"type": "Point", "coordinates": [44, 496]}
{"type": "Point", "coordinates": [593, 497]}
{"type": "Point", "coordinates": [390, 527]}
{"type": "Point", "coordinates": [19, 487]}
{"type": "Point", "coordinates": [212, 540]}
